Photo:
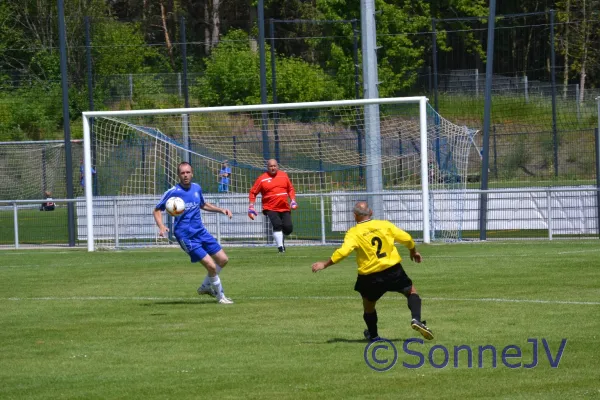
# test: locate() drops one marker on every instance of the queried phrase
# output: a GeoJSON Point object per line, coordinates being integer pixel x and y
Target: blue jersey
{"type": "Point", "coordinates": [189, 223]}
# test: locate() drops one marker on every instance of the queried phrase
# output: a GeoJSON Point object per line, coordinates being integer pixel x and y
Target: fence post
{"type": "Point", "coordinates": [549, 207]}
{"type": "Point", "coordinates": [553, 76]}
{"type": "Point", "coordinates": [218, 223]}
{"type": "Point", "coordinates": [44, 166]}
{"type": "Point", "coordinates": [526, 86]}
{"type": "Point", "coordinates": [495, 152]}
{"type": "Point", "coordinates": [234, 150]}
{"type": "Point", "coordinates": [323, 241]}
{"type": "Point", "coordinates": [435, 68]}
{"type": "Point", "coordinates": [66, 124]}
{"type": "Point", "coordinates": [597, 136]}
{"type": "Point", "coordinates": [116, 217]}
{"type": "Point", "coordinates": [320, 147]}
{"type": "Point", "coordinates": [485, 162]}
{"type": "Point", "coordinates": [16, 224]}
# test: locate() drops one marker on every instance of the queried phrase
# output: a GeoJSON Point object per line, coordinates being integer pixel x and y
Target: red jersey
{"type": "Point", "coordinates": [274, 190]}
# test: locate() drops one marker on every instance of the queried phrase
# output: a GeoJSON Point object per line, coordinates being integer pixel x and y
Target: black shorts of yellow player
{"type": "Point", "coordinates": [375, 285]}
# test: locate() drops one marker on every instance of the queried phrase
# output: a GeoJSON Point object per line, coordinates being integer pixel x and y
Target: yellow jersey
{"type": "Point", "coordinates": [373, 241]}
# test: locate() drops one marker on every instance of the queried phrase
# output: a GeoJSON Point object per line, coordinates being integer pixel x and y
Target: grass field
{"type": "Point", "coordinates": [129, 325]}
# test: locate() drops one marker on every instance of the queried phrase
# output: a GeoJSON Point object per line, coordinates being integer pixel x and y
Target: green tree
{"type": "Point", "coordinates": [232, 76]}
{"type": "Point", "coordinates": [580, 39]}
{"type": "Point", "coordinates": [119, 48]}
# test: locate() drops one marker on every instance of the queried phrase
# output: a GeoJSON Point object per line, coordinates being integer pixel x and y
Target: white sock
{"type": "Point", "coordinates": [215, 283]}
{"type": "Point", "coordinates": [206, 281]}
{"type": "Point", "coordinates": [278, 238]}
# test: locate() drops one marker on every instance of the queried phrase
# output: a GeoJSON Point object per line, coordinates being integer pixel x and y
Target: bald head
{"type": "Point", "coordinates": [272, 167]}
{"type": "Point", "coordinates": [362, 211]}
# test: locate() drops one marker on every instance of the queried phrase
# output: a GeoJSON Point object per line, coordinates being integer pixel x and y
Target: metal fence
{"type": "Point", "coordinates": [542, 135]}
{"type": "Point", "coordinates": [321, 219]}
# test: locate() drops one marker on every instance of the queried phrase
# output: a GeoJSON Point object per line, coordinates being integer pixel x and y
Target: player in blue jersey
{"type": "Point", "coordinates": [191, 234]}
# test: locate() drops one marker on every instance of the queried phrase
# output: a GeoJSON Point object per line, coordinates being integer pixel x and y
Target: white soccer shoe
{"type": "Point", "coordinates": [224, 300]}
{"type": "Point", "coordinates": [202, 290]}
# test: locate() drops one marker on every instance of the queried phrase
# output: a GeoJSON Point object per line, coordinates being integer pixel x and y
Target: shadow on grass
{"type": "Point", "coordinates": [180, 302]}
{"type": "Point", "coordinates": [344, 340]}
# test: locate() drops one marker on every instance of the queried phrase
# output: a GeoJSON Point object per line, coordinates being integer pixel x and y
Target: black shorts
{"type": "Point", "coordinates": [375, 285]}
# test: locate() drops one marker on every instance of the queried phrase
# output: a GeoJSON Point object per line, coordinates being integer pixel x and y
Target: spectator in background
{"type": "Point", "coordinates": [82, 174]}
{"type": "Point", "coordinates": [48, 205]}
{"type": "Point", "coordinates": [224, 175]}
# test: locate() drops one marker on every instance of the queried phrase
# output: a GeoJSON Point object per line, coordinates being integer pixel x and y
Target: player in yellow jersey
{"type": "Point", "coordinates": [379, 268]}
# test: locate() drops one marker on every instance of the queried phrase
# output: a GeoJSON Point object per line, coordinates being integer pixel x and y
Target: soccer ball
{"type": "Point", "coordinates": [175, 206]}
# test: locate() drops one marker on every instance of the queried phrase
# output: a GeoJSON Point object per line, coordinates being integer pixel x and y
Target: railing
{"type": "Point", "coordinates": [321, 219]}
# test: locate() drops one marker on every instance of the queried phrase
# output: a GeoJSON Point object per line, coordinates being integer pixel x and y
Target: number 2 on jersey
{"type": "Point", "coordinates": [377, 241]}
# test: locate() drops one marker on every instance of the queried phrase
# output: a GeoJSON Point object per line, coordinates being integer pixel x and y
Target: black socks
{"type": "Point", "coordinates": [414, 305]}
{"type": "Point", "coordinates": [371, 321]}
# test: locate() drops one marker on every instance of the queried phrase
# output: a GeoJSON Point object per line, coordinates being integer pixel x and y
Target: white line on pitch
{"type": "Point", "coordinates": [579, 251]}
{"type": "Point", "coordinates": [490, 300]}
{"type": "Point", "coordinates": [495, 300]}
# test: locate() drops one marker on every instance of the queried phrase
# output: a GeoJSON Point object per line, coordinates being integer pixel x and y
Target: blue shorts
{"type": "Point", "coordinates": [223, 187]}
{"type": "Point", "coordinates": [199, 246]}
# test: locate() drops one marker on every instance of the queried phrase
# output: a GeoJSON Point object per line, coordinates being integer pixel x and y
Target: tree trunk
{"type": "Point", "coordinates": [251, 20]}
{"type": "Point", "coordinates": [566, 50]}
{"type": "Point", "coordinates": [216, 22]}
{"type": "Point", "coordinates": [163, 17]}
{"type": "Point", "coordinates": [585, 26]}
{"type": "Point", "coordinates": [207, 40]}
{"type": "Point", "coordinates": [526, 53]}
{"type": "Point", "coordinates": [144, 10]}
{"type": "Point", "coordinates": [582, 81]}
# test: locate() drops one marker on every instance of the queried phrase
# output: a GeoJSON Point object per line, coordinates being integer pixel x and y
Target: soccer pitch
{"type": "Point", "coordinates": [129, 325]}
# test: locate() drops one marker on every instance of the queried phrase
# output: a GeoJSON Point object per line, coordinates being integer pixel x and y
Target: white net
{"type": "Point", "coordinates": [324, 150]}
{"type": "Point", "coordinates": [29, 169]}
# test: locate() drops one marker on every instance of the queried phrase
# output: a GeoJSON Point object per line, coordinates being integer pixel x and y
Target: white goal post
{"type": "Point", "coordinates": [326, 148]}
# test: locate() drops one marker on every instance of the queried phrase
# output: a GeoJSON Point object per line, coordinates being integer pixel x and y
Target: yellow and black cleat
{"type": "Point", "coordinates": [422, 329]}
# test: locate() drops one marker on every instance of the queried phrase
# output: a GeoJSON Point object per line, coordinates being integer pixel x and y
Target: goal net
{"type": "Point", "coordinates": [29, 169]}
{"type": "Point", "coordinates": [399, 154]}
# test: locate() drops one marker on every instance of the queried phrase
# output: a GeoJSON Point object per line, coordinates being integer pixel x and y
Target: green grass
{"type": "Point", "coordinates": [129, 324]}
{"type": "Point", "coordinates": [35, 227]}
{"type": "Point", "coordinates": [513, 109]}
{"type": "Point", "coordinates": [43, 228]}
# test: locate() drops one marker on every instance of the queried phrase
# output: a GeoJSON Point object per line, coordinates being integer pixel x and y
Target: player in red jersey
{"type": "Point", "coordinates": [275, 187]}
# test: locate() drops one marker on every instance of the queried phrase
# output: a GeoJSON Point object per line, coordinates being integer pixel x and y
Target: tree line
{"type": "Point", "coordinates": [314, 48]}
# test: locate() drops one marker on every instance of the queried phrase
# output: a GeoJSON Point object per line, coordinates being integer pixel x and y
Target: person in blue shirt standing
{"type": "Point", "coordinates": [82, 173]}
{"type": "Point", "coordinates": [191, 234]}
{"type": "Point", "coordinates": [224, 174]}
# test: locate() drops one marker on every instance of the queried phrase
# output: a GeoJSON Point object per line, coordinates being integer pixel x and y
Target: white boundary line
{"type": "Point", "coordinates": [117, 298]}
